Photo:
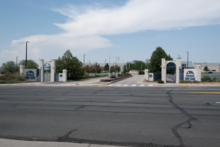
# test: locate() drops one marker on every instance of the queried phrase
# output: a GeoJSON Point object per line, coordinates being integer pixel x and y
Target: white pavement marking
{"type": "Point", "coordinates": [118, 85]}
{"type": "Point", "coordinates": [218, 102]}
{"type": "Point", "coordinates": [110, 85]}
{"type": "Point", "coordinates": [133, 85]}
{"type": "Point", "coordinates": [142, 85]}
{"type": "Point", "coordinates": [151, 85]}
{"type": "Point", "coordinates": [125, 85]}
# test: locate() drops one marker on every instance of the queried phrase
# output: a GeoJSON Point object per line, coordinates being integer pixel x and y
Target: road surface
{"type": "Point", "coordinates": [128, 116]}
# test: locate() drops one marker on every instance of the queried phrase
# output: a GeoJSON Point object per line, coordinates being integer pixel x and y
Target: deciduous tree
{"type": "Point", "coordinates": [9, 66]}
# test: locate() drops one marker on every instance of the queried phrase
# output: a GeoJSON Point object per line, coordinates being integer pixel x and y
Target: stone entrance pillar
{"type": "Point", "coordinates": [41, 65]}
{"type": "Point", "coordinates": [146, 74]}
{"type": "Point", "coordinates": [163, 70]}
{"type": "Point", "coordinates": [52, 70]}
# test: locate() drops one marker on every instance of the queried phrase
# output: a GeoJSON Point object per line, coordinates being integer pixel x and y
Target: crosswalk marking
{"type": "Point", "coordinates": [125, 85]}
{"type": "Point", "coordinates": [142, 85]}
{"type": "Point", "coordinates": [133, 85]}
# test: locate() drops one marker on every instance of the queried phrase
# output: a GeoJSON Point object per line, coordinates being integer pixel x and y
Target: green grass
{"type": "Point", "coordinates": [203, 72]}
{"type": "Point", "coordinates": [188, 82]}
{"type": "Point", "coordinates": [90, 77]}
{"type": "Point", "coordinates": [11, 82]}
{"type": "Point", "coordinates": [98, 73]}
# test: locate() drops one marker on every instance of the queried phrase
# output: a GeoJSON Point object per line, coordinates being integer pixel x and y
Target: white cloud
{"type": "Point", "coordinates": [87, 23]}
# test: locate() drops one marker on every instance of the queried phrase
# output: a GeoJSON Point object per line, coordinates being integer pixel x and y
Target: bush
{"type": "Point", "coordinates": [206, 78]}
{"type": "Point", "coordinates": [86, 75]}
{"type": "Point", "coordinates": [15, 76]}
{"type": "Point", "coordinates": [2, 78]}
{"type": "Point", "coordinates": [188, 81]}
{"type": "Point", "coordinates": [141, 72]}
{"type": "Point", "coordinates": [160, 81]}
{"type": "Point", "coordinates": [216, 79]}
{"type": "Point", "coordinates": [112, 76]}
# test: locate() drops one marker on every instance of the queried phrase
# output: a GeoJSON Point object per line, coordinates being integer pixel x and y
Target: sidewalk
{"type": "Point", "coordinates": [183, 85]}
{"type": "Point", "coordinates": [19, 143]}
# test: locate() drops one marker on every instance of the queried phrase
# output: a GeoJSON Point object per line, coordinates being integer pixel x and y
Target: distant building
{"type": "Point", "coordinates": [211, 66]}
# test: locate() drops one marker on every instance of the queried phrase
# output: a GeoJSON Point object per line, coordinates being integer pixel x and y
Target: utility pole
{"type": "Point", "coordinates": [141, 67]}
{"type": "Point", "coordinates": [26, 51]}
{"type": "Point", "coordinates": [84, 60]}
{"type": "Point", "coordinates": [16, 63]}
{"type": "Point", "coordinates": [109, 64]}
{"type": "Point", "coordinates": [187, 59]}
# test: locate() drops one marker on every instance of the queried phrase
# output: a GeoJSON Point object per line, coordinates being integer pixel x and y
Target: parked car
{"type": "Point", "coordinates": [209, 72]}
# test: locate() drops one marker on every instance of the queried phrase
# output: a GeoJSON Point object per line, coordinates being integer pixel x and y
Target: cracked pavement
{"type": "Point", "coordinates": [131, 116]}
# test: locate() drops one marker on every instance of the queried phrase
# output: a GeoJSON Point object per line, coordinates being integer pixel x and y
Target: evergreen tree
{"type": "Point", "coordinates": [72, 64]}
{"type": "Point", "coordinates": [106, 68]}
{"type": "Point", "coordinates": [31, 64]}
{"type": "Point", "coordinates": [155, 61]}
{"type": "Point", "coordinates": [206, 68]}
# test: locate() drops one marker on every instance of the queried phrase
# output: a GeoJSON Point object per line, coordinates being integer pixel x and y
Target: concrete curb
{"type": "Point", "coordinates": [20, 143]}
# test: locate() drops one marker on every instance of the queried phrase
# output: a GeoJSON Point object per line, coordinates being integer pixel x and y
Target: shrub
{"type": "Point", "coordinates": [2, 78]}
{"type": "Point", "coordinates": [160, 81]}
{"type": "Point", "coordinates": [185, 81]}
{"type": "Point", "coordinates": [207, 81]}
{"type": "Point", "coordinates": [85, 75]}
{"type": "Point", "coordinates": [15, 76]}
{"type": "Point", "coordinates": [216, 79]}
{"type": "Point", "coordinates": [112, 76]}
{"type": "Point", "coordinates": [141, 72]}
{"type": "Point", "coordinates": [205, 78]}
{"type": "Point", "coordinates": [188, 81]}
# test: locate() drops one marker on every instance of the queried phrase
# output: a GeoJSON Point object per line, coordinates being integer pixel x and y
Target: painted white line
{"type": "Point", "coordinates": [125, 85]}
{"type": "Point", "coordinates": [218, 102]}
{"type": "Point", "coordinates": [142, 85]}
{"type": "Point", "coordinates": [133, 85]}
{"type": "Point", "coordinates": [118, 85]}
{"type": "Point", "coordinates": [151, 85]}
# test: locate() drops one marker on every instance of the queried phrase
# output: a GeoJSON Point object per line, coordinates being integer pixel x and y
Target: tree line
{"type": "Point", "coordinates": [75, 67]}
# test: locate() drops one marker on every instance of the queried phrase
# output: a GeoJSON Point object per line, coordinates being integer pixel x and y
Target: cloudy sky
{"type": "Point", "coordinates": [130, 29]}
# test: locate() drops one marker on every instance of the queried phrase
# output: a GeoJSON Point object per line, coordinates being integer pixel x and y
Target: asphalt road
{"type": "Point", "coordinates": [128, 116]}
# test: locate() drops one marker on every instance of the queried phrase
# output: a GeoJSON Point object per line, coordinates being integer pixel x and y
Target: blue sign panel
{"type": "Point", "coordinates": [30, 75]}
{"type": "Point", "coordinates": [170, 66]}
{"type": "Point", "coordinates": [47, 66]}
{"type": "Point", "coordinates": [190, 76]}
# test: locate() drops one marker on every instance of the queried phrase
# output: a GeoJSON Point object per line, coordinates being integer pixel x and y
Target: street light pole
{"type": "Point", "coordinates": [187, 58]}
{"type": "Point", "coordinates": [84, 59]}
{"type": "Point", "coordinates": [109, 64]}
{"type": "Point", "coordinates": [16, 63]}
{"type": "Point", "coordinates": [26, 51]}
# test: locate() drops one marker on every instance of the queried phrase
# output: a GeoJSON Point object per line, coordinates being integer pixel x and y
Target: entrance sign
{"type": "Point", "coordinates": [151, 76]}
{"type": "Point", "coordinates": [63, 76]}
{"type": "Point", "coordinates": [29, 74]}
{"type": "Point", "coordinates": [193, 74]}
{"type": "Point", "coordinates": [164, 69]}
